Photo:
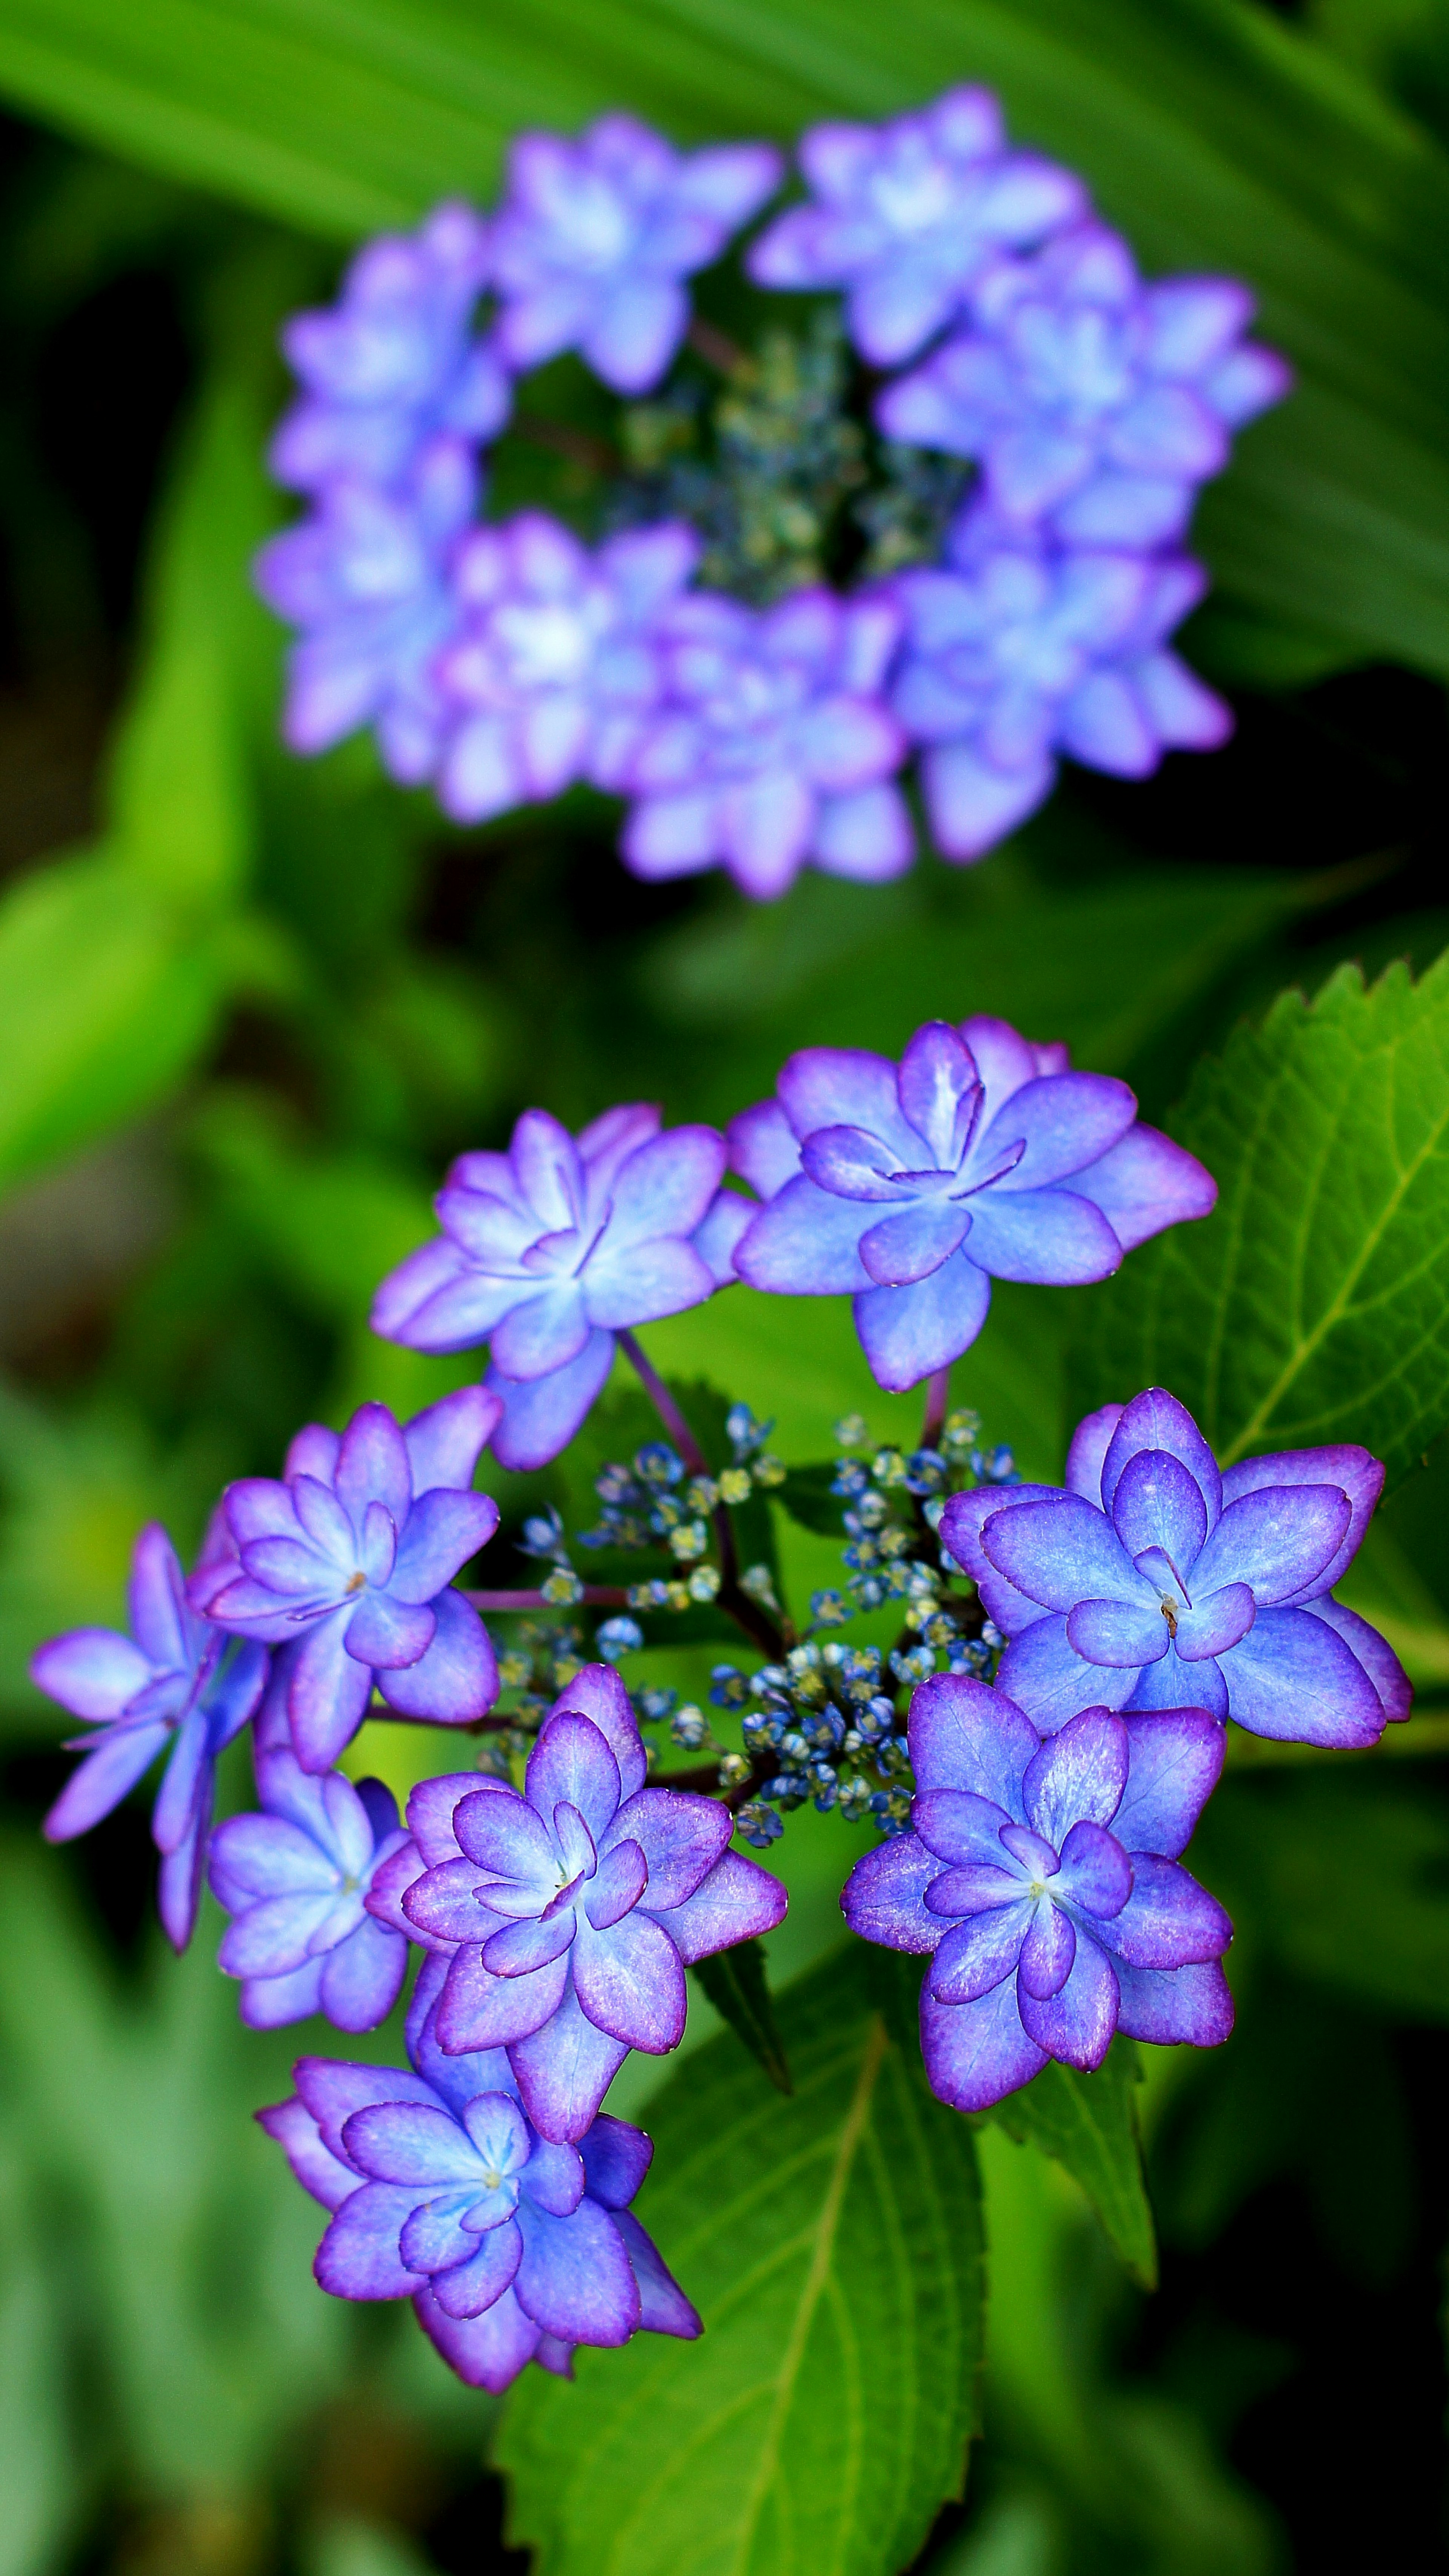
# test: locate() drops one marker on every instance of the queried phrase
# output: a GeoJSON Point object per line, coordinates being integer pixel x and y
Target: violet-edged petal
{"type": "Point", "coordinates": [616, 2158]}
{"type": "Point", "coordinates": [318, 2171]}
{"type": "Point", "coordinates": [763, 1148]}
{"type": "Point", "coordinates": [884, 1898]}
{"type": "Point", "coordinates": [358, 2257]}
{"type": "Point", "coordinates": [102, 1780]}
{"type": "Point", "coordinates": [1277, 1538]}
{"type": "Point", "coordinates": [1119, 1634]}
{"type": "Point", "coordinates": [432, 1806]}
{"type": "Point", "coordinates": [434, 2239]}
{"type": "Point", "coordinates": [1170, 1683]}
{"type": "Point", "coordinates": [1089, 1445]}
{"type": "Point", "coordinates": [178, 1880]}
{"type": "Point", "coordinates": [1158, 1504]}
{"type": "Point", "coordinates": [1168, 2005]}
{"type": "Point", "coordinates": [486, 2351]}
{"type": "Point", "coordinates": [630, 1982]}
{"type": "Point", "coordinates": [155, 1598]}
{"type": "Point", "coordinates": [1374, 1653]}
{"type": "Point", "coordinates": [387, 1634]}
{"type": "Point", "coordinates": [372, 1465]}
{"type": "Point", "coordinates": [1049, 1236]}
{"type": "Point", "coordinates": [1064, 1552]}
{"type": "Point", "coordinates": [1041, 1672]}
{"type": "Point", "coordinates": [1076, 2025]}
{"type": "Point", "coordinates": [1065, 1121]}
{"type": "Point", "coordinates": [736, 1901]}
{"type": "Point", "coordinates": [663, 2307]}
{"type": "Point", "coordinates": [555, 2178]}
{"type": "Point", "coordinates": [456, 1679]}
{"type": "Point", "coordinates": [640, 1283]}
{"type": "Point", "coordinates": [443, 1530]}
{"type": "Point", "coordinates": [1047, 1953]}
{"type": "Point", "coordinates": [446, 1904]}
{"type": "Point", "coordinates": [911, 1243]}
{"type": "Point", "coordinates": [666, 1186]}
{"type": "Point", "coordinates": [1168, 1921]}
{"type": "Point", "coordinates": [597, 1692]}
{"type": "Point", "coordinates": [1175, 1760]}
{"type": "Point", "coordinates": [1215, 1622]}
{"type": "Point", "coordinates": [269, 2003]}
{"type": "Point", "coordinates": [983, 1887]}
{"type": "Point", "coordinates": [964, 1735]}
{"type": "Point", "coordinates": [541, 1415]}
{"type": "Point", "coordinates": [1095, 1872]}
{"type": "Point", "coordinates": [545, 1333]}
{"type": "Point", "coordinates": [1294, 1678]}
{"type": "Point", "coordinates": [1156, 1420]}
{"type": "Point", "coordinates": [805, 1243]}
{"type": "Point", "coordinates": [1145, 1183]}
{"type": "Point", "coordinates": [620, 1881]}
{"type": "Point", "coordinates": [1342, 1463]}
{"type": "Point", "coordinates": [564, 2069]}
{"type": "Point", "coordinates": [572, 1761]}
{"type": "Point", "coordinates": [93, 1672]}
{"type": "Point", "coordinates": [966, 1515]}
{"type": "Point", "coordinates": [520, 1949]}
{"type": "Point", "coordinates": [978, 2053]}
{"type": "Point", "coordinates": [445, 1441]}
{"type": "Point", "coordinates": [507, 1837]}
{"type": "Point", "coordinates": [362, 1978]}
{"type": "Point", "coordinates": [976, 1954]}
{"type": "Point", "coordinates": [327, 1692]}
{"type": "Point", "coordinates": [681, 1837]}
{"type": "Point", "coordinates": [477, 2011]}
{"type": "Point", "coordinates": [471, 2289]}
{"type": "Point", "coordinates": [271, 1856]}
{"type": "Point", "coordinates": [909, 1333]}
{"type": "Point", "coordinates": [1079, 1774]}
{"type": "Point", "coordinates": [411, 2142]}
{"type": "Point", "coordinates": [575, 2278]}
{"type": "Point", "coordinates": [956, 1825]}
{"type": "Point", "coordinates": [274, 1935]}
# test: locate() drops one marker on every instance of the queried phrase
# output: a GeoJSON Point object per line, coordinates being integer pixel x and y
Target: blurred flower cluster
{"type": "Point", "coordinates": [974, 559]}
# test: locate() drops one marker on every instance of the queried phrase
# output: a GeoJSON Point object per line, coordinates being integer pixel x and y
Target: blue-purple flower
{"type": "Point", "coordinates": [512, 2248]}
{"type": "Point", "coordinates": [1152, 1580]}
{"type": "Point", "coordinates": [1015, 652]}
{"type": "Point", "coordinates": [295, 1879]}
{"type": "Point", "coordinates": [911, 1186]}
{"type": "Point", "coordinates": [570, 1911]}
{"type": "Point", "coordinates": [1094, 404]}
{"type": "Point", "coordinates": [594, 237]}
{"type": "Point", "coordinates": [550, 1249]}
{"type": "Point", "coordinates": [367, 580]}
{"type": "Point", "coordinates": [1041, 1879]}
{"type": "Point", "coordinates": [345, 1565]}
{"type": "Point", "coordinates": [555, 662]}
{"type": "Point", "coordinates": [175, 1681]}
{"type": "Point", "coordinates": [773, 746]}
{"type": "Point", "coordinates": [905, 217]}
{"type": "Point", "coordinates": [394, 361]}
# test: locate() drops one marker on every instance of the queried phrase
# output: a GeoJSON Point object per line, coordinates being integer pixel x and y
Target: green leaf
{"type": "Point", "coordinates": [832, 2243]}
{"type": "Point", "coordinates": [1221, 139]}
{"type": "Point", "coordinates": [1088, 2125]}
{"type": "Point", "coordinates": [807, 1495]}
{"type": "Point", "coordinates": [737, 1983]}
{"type": "Point", "coordinates": [1313, 1305]}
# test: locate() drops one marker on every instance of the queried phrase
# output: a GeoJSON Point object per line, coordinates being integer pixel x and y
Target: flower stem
{"type": "Point", "coordinates": [756, 1622]}
{"type": "Point", "coordinates": [938, 1398]}
{"type": "Point", "coordinates": [595, 1596]}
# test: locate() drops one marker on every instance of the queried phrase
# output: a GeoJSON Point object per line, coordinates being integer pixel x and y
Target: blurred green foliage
{"type": "Point", "coordinates": [248, 1008]}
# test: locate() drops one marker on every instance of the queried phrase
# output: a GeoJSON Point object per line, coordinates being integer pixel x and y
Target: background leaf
{"type": "Point", "coordinates": [1088, 2125]}
{"type": "Point", "coordinates": [737, 1982]}
{"type": "Point", "coordinates": [832, 2244]}
{"type": "Point", "coordinates": [1313, 1304]}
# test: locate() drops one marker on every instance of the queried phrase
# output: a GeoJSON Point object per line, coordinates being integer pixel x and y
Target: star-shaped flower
{"type": "Point", "coordinates": [295, 1879]}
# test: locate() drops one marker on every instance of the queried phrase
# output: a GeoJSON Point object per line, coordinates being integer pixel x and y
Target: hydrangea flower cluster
{"type": "Point", "coordinates": [1031, 1752]}
{"type": "Point", "coordinates": [505, 662]}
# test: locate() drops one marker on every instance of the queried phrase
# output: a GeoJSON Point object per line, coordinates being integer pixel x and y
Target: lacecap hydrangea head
{"type": "Point", "coordinates": [911, 1186]}
{"type": "Point", "coordinates": [551, 1248]}
{"type": "Point", "coordinates": [1040, 1878]}
{"type": "Point", "coordinates": [1154, 1579]}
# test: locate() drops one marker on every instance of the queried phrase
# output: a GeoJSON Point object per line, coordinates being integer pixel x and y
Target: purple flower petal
{"type": "Point", "coordinates": [1277, 1538]}
{"type": "Point", "coordinates": [1145, 1183]}
{"type": "Point", "coordinates": [571, 1761]}
{"type": "Point", "coordinates": [630, 1982]}
{"type": "Point", "coordinates": [470, 2287]}
{"type": "Point", "coordinates": [1216, 1623]}
{"type": "Point", "coordinates": [638, 1284]}
{"type": "Point", "coordinates": [805, 1243]}
{"type": "Point", "coordinates": [1079, 1773]}
{"type": "Point", "coordinates": [155, 1598]}
{"type": "Point", "coordinates": [543, 1333]}
{"type": "Point", "coordinates": [977, 2053]}
{"type": "Point", "coordinates": [1089, 1445]}
{"type": "Point", "coordinates": [1051, 1683]}
{"type": "Point", "coordinates": [972, 804]}
{"type": "Point", "coordinates": [479, 2011]}
{"type": "Point", "coordinates": [1047, 1953]}
{"type": "Point", "coordinates": [717, 1236]}
{"type": "Point", "coordinates": [1170, 1683]}
{"type": "Point", "coordinates": [362, 1978]}
{"type": "Point", "coordinates": [597, 1693]}
{"type": "Point", "coordinates": [964, 1735]}
{"type": "Point", "coordinates": [909, 1245]}
{"type": "Point", "coordinates": [443, 1530]}
{"type": "Point", "coordinates": [616, 2159]}
{"type": "Point", "coordinates": [178, 1880]}
{"type": "Point", "coordinates": [1175, 1761]}
{"type": "Point", "coordinates": [486, 2351]}
{"type": "Point", "coordinates": [1294, 1678]}
{"type": "Point", "coordinates": [103, 1779]}
{"type": "Point", "coordinates": [358, 2257]}
{"type": "Point", "coordinates": [763, 1148]}
{"type": "Point", "coordinates": [1064, 1552]}
{"type": "Point", "coordinates": [961, 1524]}
{"type": "Point", "coordinates": [269, 2003]}
{"type": "Point", "coordinates": [975, 1955]}
{"type": "Point", "coordinates": [575, 2278]}
{"type": "Point", "coordinates": [1168, 1921]}
{"type": "Point", "coordinates": [372, 1464]}
{"type": "Point", "coordinates": [681, 1838]}
{"type": "Point", "coordinates": [456, 1679]}
{"type": "Point", "coordinates": [1049, 1236]}
{"type": "Point", "coordinates": [564, 2069]}
{"type": "Point", "coordinates": [1095, 1872]}
{"type": "Point", "coordinates": [1120, 1634]}
{"type": "Point", "coordinates": [1175, 2004]}
{"type": "Point", "coordinates": [734, 1902]}
{"type": "Point", "coordinates": [522, 1948]}
{"type": "Point", "coordinates": [411, 2142]}
{"type": "Point", "coordinates": [541, 1415]}
{"type": "Point", "coordinates": [1341, 1463]}
{"type": "Point", "coordinates": [663, 2307]}
{"type": "Point", "coordinates": [327, 1692]}
{"type": "Point", "coordinates": [1066, 1121]}
{"type": "Point", "coordinates": [1076, 2025]}
{"type": "Point", "coordinates": [386, 1633]}
{"type": "Point", "coordinates": [1374, 1653]}
{"type": "Point", "coordinates": [909, 1333]}
{"type": "Point", "coordinates": [445, 1441]}
{"type": "Point", "coordinates": [1155, 1420]}
{"type": "Point", "coordinates": [296, 2133]}
{"type": "Point", "coordinates": [884, 1897]}
{"type": "Point", "coordinates": [1158, 1504]}
{"type": "Point", "coordinates": [93, 1672]}
{"type": "Point", "coordinates": [446, 1904]}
